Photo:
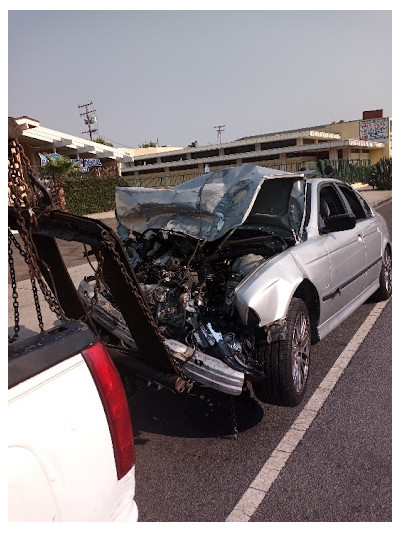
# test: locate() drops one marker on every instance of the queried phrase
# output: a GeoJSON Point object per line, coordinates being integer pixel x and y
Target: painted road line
{"type": "Point", "coordinates": [254, 495]}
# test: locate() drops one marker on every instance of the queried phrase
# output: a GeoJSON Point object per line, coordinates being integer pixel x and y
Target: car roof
{"type": "Point", "coordinates": [320, 179]}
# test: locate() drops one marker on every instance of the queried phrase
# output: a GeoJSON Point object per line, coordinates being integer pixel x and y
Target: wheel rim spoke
{"type": "Point", "coordinates": [300, 352]}
{"type": "Point", "coordinates": [387, 265]}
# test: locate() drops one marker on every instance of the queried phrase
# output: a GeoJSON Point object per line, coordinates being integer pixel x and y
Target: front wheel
{"type": "Point", "coordinates": [286, 362]}
{"type": "Point", "coordinates": [385, 277]}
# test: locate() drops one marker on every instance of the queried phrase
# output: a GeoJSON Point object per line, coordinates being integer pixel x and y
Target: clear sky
{"type": "Point", "coordinates": [174, 75]}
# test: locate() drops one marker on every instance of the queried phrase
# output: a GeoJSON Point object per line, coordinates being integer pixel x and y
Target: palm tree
{"type": "Point", "coordinates": [61, 167]}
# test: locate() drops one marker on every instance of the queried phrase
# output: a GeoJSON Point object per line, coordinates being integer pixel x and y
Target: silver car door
{"type": "Point", "coordinates": [371, 234]}
{"type": "Point", "coordinates": [346, 251]}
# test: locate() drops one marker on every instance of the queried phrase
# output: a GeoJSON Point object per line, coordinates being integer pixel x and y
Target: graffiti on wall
{"type": "Point", "coordinates": [375, 129]}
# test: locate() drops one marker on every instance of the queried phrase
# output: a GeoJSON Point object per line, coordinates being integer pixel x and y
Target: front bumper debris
{"type": "Point", "coordinates": [194, 364]}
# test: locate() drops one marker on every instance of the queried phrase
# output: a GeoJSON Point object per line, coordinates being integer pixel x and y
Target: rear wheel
{"type": "Point", "coordinates": [286, 362]}
{"type": "Point", "coordinates": [385, 277]}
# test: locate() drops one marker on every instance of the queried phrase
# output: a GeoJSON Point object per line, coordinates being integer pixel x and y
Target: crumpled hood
{"type": "Point", "coordinates": [206, 208]}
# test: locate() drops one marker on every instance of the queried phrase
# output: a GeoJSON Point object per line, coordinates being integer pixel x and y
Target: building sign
{"type": "Point", "coordinates": [45, 157]}
{"type": "Point", "coordinates": [54, 155]}
{"type": "Point", "coordinates": [92, 162]}
{"type": "Point", "coordinates": [43, 160]}
{"type": "Point", "coordinates": [376, 129]}
{"type": "Point", "coordinates": [87, 164]}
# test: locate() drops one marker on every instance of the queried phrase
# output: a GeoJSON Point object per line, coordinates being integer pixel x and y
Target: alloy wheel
{"type": "Point", "coordinates": [301, 347]}
{"type": "Point", "coordinates": [387, 270]}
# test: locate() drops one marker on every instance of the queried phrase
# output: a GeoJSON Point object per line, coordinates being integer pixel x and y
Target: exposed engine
{"type": "Point", "coordinates": [190, 288]}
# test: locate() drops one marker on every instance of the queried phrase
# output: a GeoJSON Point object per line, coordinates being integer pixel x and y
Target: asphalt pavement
{"type": "Point", "coordinates": [190, 469]}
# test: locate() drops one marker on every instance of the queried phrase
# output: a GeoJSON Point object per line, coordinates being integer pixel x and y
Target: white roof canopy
{"type": "Point", "coordinates": [66, 144]}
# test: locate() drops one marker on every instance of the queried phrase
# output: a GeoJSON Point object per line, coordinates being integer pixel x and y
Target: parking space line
{"type": "Point", "coordinates": [258, 489]}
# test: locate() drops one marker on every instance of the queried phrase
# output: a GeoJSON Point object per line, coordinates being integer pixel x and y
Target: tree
{"type": "Point", "coordinates": [100, 140]}
{"type": "Point", "coordinates": [60, 167]}
{"type": "Point", "coordinates": [148, 144]}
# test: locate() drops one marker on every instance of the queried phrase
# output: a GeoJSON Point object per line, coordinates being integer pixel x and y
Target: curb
{"type": "Point", "coordinates": [381, 202]}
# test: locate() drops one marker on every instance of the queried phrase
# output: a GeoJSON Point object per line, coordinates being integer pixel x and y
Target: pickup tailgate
{"type": "Point", "coordinates": [60, 452]}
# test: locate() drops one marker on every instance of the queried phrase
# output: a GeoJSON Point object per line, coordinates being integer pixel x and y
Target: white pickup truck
{"type": "Point", "coordinates": [71, 453]}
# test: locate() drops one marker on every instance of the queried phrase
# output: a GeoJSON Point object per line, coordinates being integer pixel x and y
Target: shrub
{"type": "Point", "coordinates": [86, 194]}
{"type": "Point", "coordinates": [345, 170]}
{"type": "Point", "coordinates": [380, 174]}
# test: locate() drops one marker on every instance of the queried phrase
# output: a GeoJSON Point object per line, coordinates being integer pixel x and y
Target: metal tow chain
{"type": "Point", "coordinates": [14, 292]}
{"type": "Point", "coordinates": [23, 192]}
{"type": "Point", "coordinates": [97, 285]}
{"type": "Point", "coordinates": [176, 366]}
{"type": "Point", "coordinates": [235, 431]}
{"type": "Point", "coordinates": [35, 274]}
{"type": "Point", "coordinates": [33, 281]}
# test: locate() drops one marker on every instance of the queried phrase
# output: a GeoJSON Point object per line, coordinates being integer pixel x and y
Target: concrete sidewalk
{"type": "Point", "coordinates": [374, 197]}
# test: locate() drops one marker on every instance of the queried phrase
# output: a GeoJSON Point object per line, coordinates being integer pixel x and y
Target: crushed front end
{"type": "Point", "coordinates": [189, 248]}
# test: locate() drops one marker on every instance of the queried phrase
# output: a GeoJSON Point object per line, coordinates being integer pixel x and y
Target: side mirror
{"type": "Point", "coordinates": [339, 223]}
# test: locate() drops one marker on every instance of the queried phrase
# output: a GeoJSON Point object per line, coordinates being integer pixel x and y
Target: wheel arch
{"type": "Point", "coordinates": [307, 292]}
{"type": "Point", "coordinates": [387, 244]}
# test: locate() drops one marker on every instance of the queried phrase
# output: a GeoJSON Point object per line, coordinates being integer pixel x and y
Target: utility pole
{"type": "Point", "coordinates": [90, 118]}
{"type": "Point", "coordinates": [219, 129]}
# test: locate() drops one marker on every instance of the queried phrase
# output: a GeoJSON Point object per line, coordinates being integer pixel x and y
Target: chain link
{"type": "Point", "coordinates": [33, 281]}
{"type": "Point", "coordinates": [235, 431]}
{"type": "Point", "coordinates": [176, 366]}
{"type": "Point", "coordinates": [97, 284]}
{"type": "Point", "coordinates": [22, 194]}
{"type": "Point", "coordinates": [14, 291]}
{"type": "Point", "coordinates": [17, 245]}
{"type": "Point", "coordinates": [22, 190]}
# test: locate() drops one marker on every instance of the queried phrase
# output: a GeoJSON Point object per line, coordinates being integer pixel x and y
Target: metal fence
{"type": "Point", "coordinates": [351, 171]}
{"type": "Point", "coordinates": [161, 181]}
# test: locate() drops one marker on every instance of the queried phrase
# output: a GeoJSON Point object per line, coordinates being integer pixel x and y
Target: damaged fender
{"type": "Point", "coordinates": [268, 289]}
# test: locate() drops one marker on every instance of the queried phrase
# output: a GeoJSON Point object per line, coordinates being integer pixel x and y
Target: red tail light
{"type": "Point", "coordinates": [115, 405]}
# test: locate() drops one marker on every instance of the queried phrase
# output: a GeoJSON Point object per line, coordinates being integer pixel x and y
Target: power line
{"type": "Point", "coordinates": [220, 129]}
{"type": "Point", "coordinates": [111, 141]}
{"type": "Point", "coordinates": [90, 118]}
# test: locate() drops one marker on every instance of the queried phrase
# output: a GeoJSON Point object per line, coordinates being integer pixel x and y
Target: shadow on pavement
{"type": "Point", "coordinates": [202, 413]}
{"type": "Point", "coordinates": [23, 334]}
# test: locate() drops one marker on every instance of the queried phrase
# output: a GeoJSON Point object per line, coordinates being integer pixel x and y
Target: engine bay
{"type": "Point", "coordinates": [190, 287]}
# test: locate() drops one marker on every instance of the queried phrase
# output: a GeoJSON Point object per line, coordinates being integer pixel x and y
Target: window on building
{"type": "Point", "coordinates": [204, 154]}
{"type": "Point", "coordinates": [278, 144]}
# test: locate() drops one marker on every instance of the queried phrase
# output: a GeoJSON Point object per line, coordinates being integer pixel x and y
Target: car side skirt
{"type": "Point", "coordinates": [330, 324]}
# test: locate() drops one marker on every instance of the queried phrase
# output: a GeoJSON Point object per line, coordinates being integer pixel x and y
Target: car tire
{"type": "Point", "coordinates": [385, 277]}
{"type": "Point", "coordinates": [286, 362]}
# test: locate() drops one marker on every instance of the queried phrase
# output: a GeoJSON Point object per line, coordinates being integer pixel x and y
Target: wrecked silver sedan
{"type": "Point", "coordinates": [244, 269]}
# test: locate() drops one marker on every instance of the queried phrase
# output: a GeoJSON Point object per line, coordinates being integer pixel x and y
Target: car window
{"type": "Point", "coordinates": [329, 203]}
{"type": "Point", "coordinates": [354, 202]}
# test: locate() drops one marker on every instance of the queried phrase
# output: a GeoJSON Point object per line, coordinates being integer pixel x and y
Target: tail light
{"type": "Point", "coordinates": [115, 404]}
